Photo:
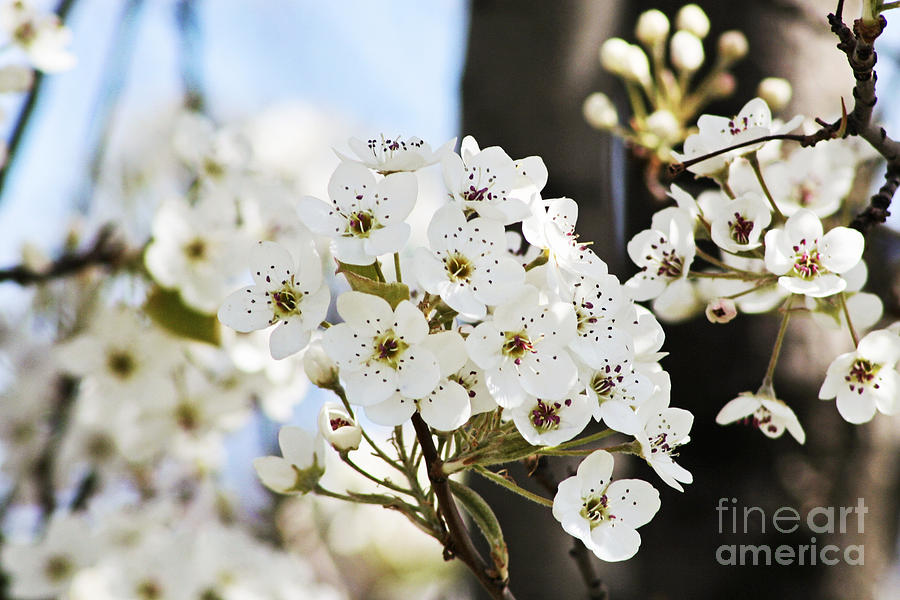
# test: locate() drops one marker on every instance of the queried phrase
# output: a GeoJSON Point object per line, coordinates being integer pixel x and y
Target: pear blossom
{"type": "Point", "coordinates": [446, 407]}
{"type": "Point", "coordinates": [763, 411]}
{"type": "Point", "coordinates": [365, 217]}
{"type": "Point", "coordinates": [467, 265]}
{"type": "Point", "coordinates": [665, 429]}
{"type": "Point", "coordinates": [865, 380]}
{"type": "Point", "coordinates": [603, 311]}
{"type": "Point", "coordinates": [603, 513]}
{"type": "Point", "coordinates": [615, 389]}
{"type": "Point", "coordinates": [522, 350]}
{"type": "Point", "coordinates": [664, 254]}
{"type": "Point", "coordinates": [736, 225]}
{"type": "Point", "coordinates": [472, 378]}
{"type": "Point", "coordinates": [551, 227]}
{"type": "Point", "coordinates": [485, 182]}
{"type": "Point", "coordinates": [294, 298]}
{"type": "Point", "coordinates": [42, 36]}
{"type": "Point", "coordinates": [721, 310]}
{"type": "Point", "coordinates": [395, 154]}
{"type": "Point", "coordinates": [300, 468]}
{"type": "Point", "coordinates": [338, 427]}
{"type": "Point", "coordinates": [380, 352]}
{"type": "Point", "coordinates": [865, 309]}
{"type": "Point", "coordinates": [551, 422]}
{"type": "Point", "coordinates": [808, 262]}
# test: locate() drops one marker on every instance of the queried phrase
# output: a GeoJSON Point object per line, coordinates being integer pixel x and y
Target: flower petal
{"type": "Point", "coordinates": [447, 408]}
{"type": "Point", "coordinates": [288, 338]}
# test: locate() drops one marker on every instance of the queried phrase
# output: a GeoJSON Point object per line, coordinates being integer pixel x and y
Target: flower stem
{"type": "Point", "coordinates": [397, 267]}
{"type": "Point", "coordinates": [585, 440]}
{"type": "Point", "coordinates": [371, 477]}
{"type": "Point", "coordinates": [458, 542]}
{"type": "Point", "coordinates": [513, 487]}
{"type": "Point", "coordinates": [779, 340]}
{"type": "Point", "coordinates": [754, 162]}
{"type": "Point", "coordinates": [853, 333]}
{"type": "Point", "coordinates": [723, 265]}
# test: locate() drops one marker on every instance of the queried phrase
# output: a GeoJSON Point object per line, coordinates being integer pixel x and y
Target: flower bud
{"type": "Point", "coordinates": [614, 55]}
{"type": "Point", "coordinates": [338, 428]}
{"type": "Point", "coordinates": [686, 51]}
{"type": "Point", "coordinates": [652, 27]}
{"type": "Point", "coordinates": [638, 67]}
{"type": "Point", "coordinates": [723, 85]}
{"type": "Point", "coordinates": [665, 126]}
{"type": "Point", "coordinates": [319, 367]}
{"type": "Point", "coordinates": [721, 310]}
{"type": "Point", "coordinates": [733, 45]}
{"type": "Point", "coordinates": [692, 18]}
{"type": "Point", "coordinates": [599, 111]}
{"type": "Point", "coordinates": [775, 91]}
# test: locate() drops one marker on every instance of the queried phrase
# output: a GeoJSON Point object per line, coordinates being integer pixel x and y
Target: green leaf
{"type": "Point", "coordinates": [168, 311]}
{"type": "Point", "coordinates": [365, 279]}
{"type": "Point", "coordinates": [487, 522]}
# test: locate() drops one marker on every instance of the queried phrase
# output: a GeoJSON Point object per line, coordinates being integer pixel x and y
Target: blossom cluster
{"type": "Point", "coordinates": [763, 239]}
{"type": "Point", "coordinates": [463, 330]}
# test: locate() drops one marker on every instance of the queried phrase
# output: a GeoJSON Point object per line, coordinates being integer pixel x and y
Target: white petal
{"type": "Point", "coordinates": [503, 383]}
{"type": "Point", "coordinates": [841, 249]}
{"type": "Point", "coordinates": [887, 397]}
{"type": "Point", "coordinates": [410, 323]}
{"type": "Point", "coordinates": [365, 313]}
{"type": "Point", "coordinates": [345, 347]}
{"type": "Point", "coordinates": [348, 181]}
{"type": "Point", "coordinates": [351, 250]}
{"type": "Point", "coordinates": [882, 347]}
{"type": "Point", "coordinates": [620, 417]}
{"type": "Point", "coordinates": [446, 221]}
{"type": "Point", "coordinates": [632, 501]}
{"type": "Point", "coordinates": [417, 372]}
{"type": "Point", "coordinates": [373, 383]}
{"type": "Point", "coordinates": [397, 196]}
{"type": "Point", "coordinates": [246, 310]}
{"type": "Point", "coordinates": [855, 408]}
{"type": "Point", "coordinates": [387, 240]}
{"type": "Point", "coordinates": [321, 217]}
{"type": "Point", "coordinates": [447, 408]}
{"type": "Point", "coordinates": [463, 300]}
{"type": "Point", "coordinates": [484, 345]}
{"type": "Point", "coordinates": [314, 307]}
{"type": "Point", "coordinates": [289, 337]}
{"type": "Point", "coordinates": [449, 349]}
{"type": "Point", "coordinates": [275, 473]}
{"type": "Point", "coordinates": [547, 375]}
{"type": "Point", "coordinates": [429, 271]}
{"type": "Point", "coordinates": [777, 261]}
{"type": "Point", "coordinates": [742, 406]}
{"type": "Point", "coordinates": [394, 411]}
{"type": "Point", "coordinates": [272, 265]}
{"type": "Point", "coordinates": [499, 282]}
{"type": "Point", "coordinates": [613, 543]}
{"type": "Point", "coordinates": [297, 446]}
{"type": "Point", "coordinates": [595, 472]}
{"type": "Point", "coordinates": [803, 225]}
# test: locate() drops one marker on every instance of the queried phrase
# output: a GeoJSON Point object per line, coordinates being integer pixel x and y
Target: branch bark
{"type": "Point", "coordinates": [458, 543]}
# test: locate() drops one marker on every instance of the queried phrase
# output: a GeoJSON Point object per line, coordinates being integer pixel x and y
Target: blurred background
{"type": "Point", "coordinates": [299, 77]}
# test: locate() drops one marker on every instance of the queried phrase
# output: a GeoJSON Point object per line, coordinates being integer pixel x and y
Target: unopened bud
{"type": "Point", "coordinates": [338, 428]}
{"type": "Point", "coordinates": [319, 367]}
{"type": "Point", "coordinates": [721, 310]}
{"type": "Point", "coordinates": [692, 18]}
{"type": "Point", "coordinates": [599, 111]}
{"type": "Point", "coordinates": [775, 91]}
{"type": "Point", "coordinates": [733, 45]}
{"type": "Point", "coordinates": [614, 55]}
{"type": "Point", "coordinates": [686, 51]}
{"type": "Point", "coordinates": [723, 85]}
{"type": "Point", "coordinates": [638, 67]}
{"type": "Point", "coordinates": [665, 126]}
{"type": "Point", "coordinates": [652, 27]}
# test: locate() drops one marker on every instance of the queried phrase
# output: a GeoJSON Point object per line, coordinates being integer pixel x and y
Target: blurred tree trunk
{"type": "Point", "coordinates": [530, 65]}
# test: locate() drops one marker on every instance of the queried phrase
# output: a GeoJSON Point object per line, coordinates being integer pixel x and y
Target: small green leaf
{"type": "Point", "coordinates": [365, 279]}
{"type": "Point", "coordinates": [168, 311]}
{"type": "Point", "coordinates": [487, 522]}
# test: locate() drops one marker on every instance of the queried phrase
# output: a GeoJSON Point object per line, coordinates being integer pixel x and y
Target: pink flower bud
{"type": "Point", "coordinates": [721, 310]}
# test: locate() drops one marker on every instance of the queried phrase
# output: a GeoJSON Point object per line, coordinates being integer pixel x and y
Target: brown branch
{"type": "Point", "coordinates": [596, 589]}
{"type": "Point", "coordinates": [106, 250]}
{"type": "Point", "coordinates": [458, 543]}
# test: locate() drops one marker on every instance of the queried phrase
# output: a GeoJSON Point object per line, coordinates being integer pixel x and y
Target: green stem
{"type": "Point", "coordinates": [849, 322]}
{"type": "Point", "coordinates": [779, 340]}
{"type": "Point", "coordinates": [378, 272]}
{"type": "Point", "coordinates": [760, 284]}
{"type": "Point", "coordinates": [744, 276]}
{"type": "Point", "coordinates": [582, 441]}
{"type": "Point", "coordinates": [381, 453]}
{"type": "Point", "coordinates": [371, 477]}
{"type": "Point", "coordinates": [723, 265]}
{"type": "Point", "coordinates": [754, 162]}
{"type": "Point", "coordinates": [513, 487]}
{"type": "Point", "coordinates": [397, 267]}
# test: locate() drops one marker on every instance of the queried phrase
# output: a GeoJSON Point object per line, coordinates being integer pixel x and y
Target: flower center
{"type": "Point", "coordinates": [286, 301]}
{"type": "Point", "coordinates": [516, 345]}
{"type": "Point", "coordinates": [736, 126]}
{"type": "Point", "coordinates": [862, 372]}
{"type": "Point", "coordinates": [740, 229]}
{"type": "Point", "coordinates": [585, 316]}
{"type": "Point", "coordinates": [149, 590]}
{"type": "Point", "coordinates": [58, 568]}
{"type": "Point", "coordinates": [670, 264]}
{"type": "Point", "coordinates": [468, 381]}
{"type": "Point", "coordinates": [604, 382]}
{"type": "Point", "coordinates": [195, 249]}
{"type": "Point", "coordinates": [596, 510]}
{"type": "Point", "coordinates": [458, 267]}
{"type": "Point", "coordinates": [388, 349]}
{"type": "Point", "coordinates": [806, 261]}
{"type": "Point", "coordinates": [187, 416]}
{"type": "Point", "coordinates": [338, 422]}
{"type": "Point", "coordinates": [25, 33]}
{"type": "Point", "coordinates": [100, 447]}
{"type": "Point", "coordinates": [361, 223]}
{"type": "Point", "coordinates": [660, 444]}
{"type": "Point", "coordinates": [121, 363]}
{"type": "Point", "coordinates": [544, 415]}
{"type": "Point", "coordinates": [761, 419]}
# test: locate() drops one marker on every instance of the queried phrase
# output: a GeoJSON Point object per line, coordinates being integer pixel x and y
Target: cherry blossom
{"type": "Point", "coordinates": [865, 380]}
{"type": "Point", "coordinates": [602, 513]}
{"type": "Point", "coordinates": [808, 262]}
{"type": "Point", "coordinates": [294, 298]}
{"type": "Point", "coordinates": [365, 217]}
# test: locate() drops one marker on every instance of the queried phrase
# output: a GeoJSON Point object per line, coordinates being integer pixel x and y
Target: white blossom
{"type": "Point", "coordinates": [664, 254]}
{"type": "Point", "coordinates": [394, 154]}
{"type": "Point", "coordinates": [763, 411]}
